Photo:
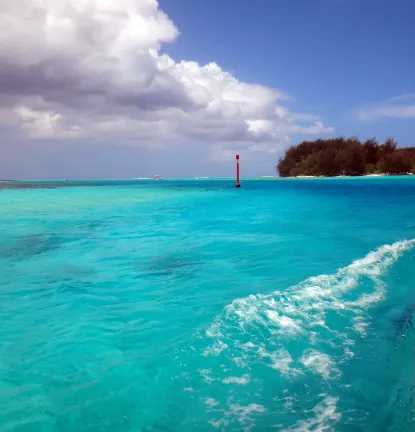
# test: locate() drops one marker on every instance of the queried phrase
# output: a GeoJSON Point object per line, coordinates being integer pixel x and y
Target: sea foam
{"type": "Point", "coordinates": [302, 309]}
{"type": "Point", "coordinates": [309, 330]}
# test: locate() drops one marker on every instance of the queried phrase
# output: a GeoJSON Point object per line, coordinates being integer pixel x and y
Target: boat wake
{"type": "Point", "coordinates": [291, 347]}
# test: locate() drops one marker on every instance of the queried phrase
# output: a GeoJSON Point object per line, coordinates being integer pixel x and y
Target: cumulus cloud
{"type": "Point", "coordinates": [95, 69]}
{"type": "Point", "coordinates": [402, 107]}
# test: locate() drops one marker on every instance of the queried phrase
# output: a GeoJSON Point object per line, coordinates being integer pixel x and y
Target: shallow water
{"type": "Point", "coordinates": [190, 305]}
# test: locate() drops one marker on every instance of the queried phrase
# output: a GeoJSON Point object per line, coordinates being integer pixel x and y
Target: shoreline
{"type": "Point", "coordinates": [344, 176]}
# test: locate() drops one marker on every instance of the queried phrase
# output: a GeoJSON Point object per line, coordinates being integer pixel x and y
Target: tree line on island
{"type": "Point", "coordinates": [346, 156]}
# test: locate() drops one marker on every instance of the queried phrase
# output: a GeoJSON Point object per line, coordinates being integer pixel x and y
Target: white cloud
{"type": "Point", "coordinates": [402, 107]}
{"type": "Point", "coordinates": [76, 69]}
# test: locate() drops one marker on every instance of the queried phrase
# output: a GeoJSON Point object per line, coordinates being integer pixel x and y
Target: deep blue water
{"type": "Point", "coordinates": [194, 306]}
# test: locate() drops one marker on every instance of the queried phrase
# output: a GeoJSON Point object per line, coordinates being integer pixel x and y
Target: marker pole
{"type": "Point", "coordinates": [238, 184]}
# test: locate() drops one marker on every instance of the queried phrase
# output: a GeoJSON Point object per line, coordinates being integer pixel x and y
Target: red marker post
{"type": "Point", "coordinates": [238, 184]}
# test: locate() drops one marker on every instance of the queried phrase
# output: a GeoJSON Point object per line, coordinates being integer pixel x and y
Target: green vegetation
{"type": "Point", "coordinates": [350, 157]}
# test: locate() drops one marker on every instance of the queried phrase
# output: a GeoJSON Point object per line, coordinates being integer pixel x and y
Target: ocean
{"type": "Point", "coordinates": [189, 305]}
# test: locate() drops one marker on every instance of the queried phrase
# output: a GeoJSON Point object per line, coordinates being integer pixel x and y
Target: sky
{"type": "Point", "coordinates": [133, 88]}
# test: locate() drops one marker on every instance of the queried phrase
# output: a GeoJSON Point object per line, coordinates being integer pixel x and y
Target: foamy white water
{"type": "Point", "coordinates": [306, 334]}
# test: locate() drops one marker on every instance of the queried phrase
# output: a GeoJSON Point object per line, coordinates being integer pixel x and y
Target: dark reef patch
{"type": "Point", "coordinates": [172, 265]}
{"type": "Point", "coordinates": [31, 245]}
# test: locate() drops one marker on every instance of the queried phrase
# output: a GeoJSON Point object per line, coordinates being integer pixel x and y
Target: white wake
{"type": "Point", "coordinates": [308, 330]}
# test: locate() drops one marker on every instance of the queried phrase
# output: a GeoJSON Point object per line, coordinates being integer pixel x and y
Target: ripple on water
{"type": "Point", "coordinates": [118, 308]}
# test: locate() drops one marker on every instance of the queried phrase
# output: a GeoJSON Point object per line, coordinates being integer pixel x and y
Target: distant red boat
{"type": "Point", "coordinates": [157, 177]}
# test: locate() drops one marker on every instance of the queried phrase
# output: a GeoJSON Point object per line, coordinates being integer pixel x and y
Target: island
{"type": "Point", "coordinates": [346, 157]}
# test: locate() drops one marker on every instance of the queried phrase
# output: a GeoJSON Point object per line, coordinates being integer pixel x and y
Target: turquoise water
{"type": "Point", "coordinates": [193, 306]}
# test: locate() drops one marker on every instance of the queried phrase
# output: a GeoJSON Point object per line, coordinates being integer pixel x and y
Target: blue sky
{"type": "Point", "coordinates": [332, 56]}
{"type": "Point", "coordinates": [122, 90]}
